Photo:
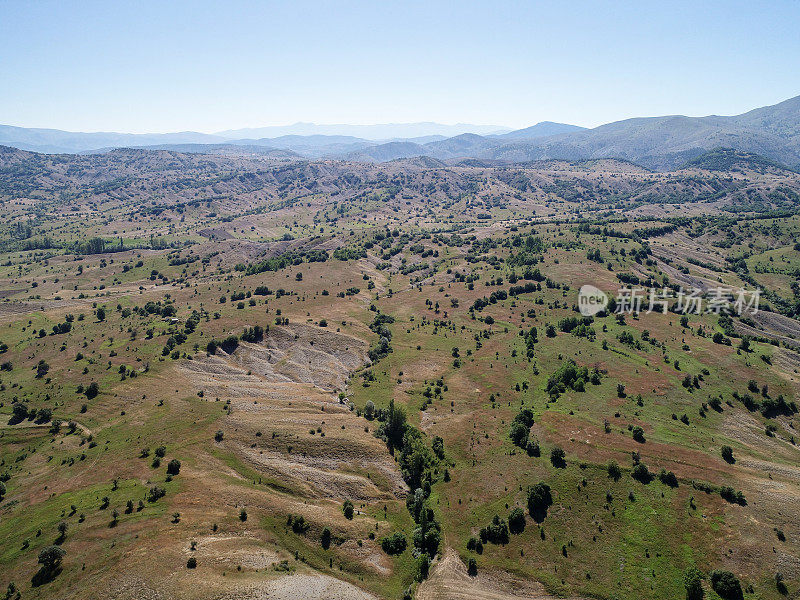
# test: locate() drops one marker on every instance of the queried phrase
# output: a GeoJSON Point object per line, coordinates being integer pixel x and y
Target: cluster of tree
{"type": "Point", "coordinates": [418, 464]}
{"type": "Point", "coordinates": [520, 428]}
{"type": "Point", "coordinates": [253, 334]}
{"type": "Point", "coordinates": [229, 344]}
{"type": "Point", "coordinates": [383, 347]}
{"type": "Point", "coordinates": [570, 376]}
{"type": "Point", "coordinates": [494, 298]}
{"type": "Point", "coordinates": [727, 493]}
{"type": "Point", "coordinates": [287, 259]}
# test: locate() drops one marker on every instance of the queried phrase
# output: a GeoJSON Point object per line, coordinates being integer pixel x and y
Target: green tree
{"type": "Point", "coordinates": [348, 509]}
{"type": "Point", "coordinates": [693, 582]}
{"type": "Point", "coordinates": [326, 538]}
{"type": "Point", "coordinates": [50, 557]}
{"type": "Point", "coordinates": [395, 426]}
{"type": "Point", "coordinates": [727, 585]}
{"type": "Point", "coordinates": [516, 521]}
{"type": "Point", "coordinates": [539, 500]}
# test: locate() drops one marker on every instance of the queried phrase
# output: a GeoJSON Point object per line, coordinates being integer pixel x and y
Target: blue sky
{"type": "Point", "coordinates": [207, 66]}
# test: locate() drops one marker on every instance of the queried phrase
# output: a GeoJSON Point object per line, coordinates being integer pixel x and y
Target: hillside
{"type": "Point", "coordinates": [242, 377]}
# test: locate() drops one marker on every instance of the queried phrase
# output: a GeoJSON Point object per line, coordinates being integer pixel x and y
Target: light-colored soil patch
{"type": "Point", "coordinates": [449, 581]}
{"type": "Point", "coordinates": [300, 587]}
{"type": "Point", "coordinates": [234, 551]}
{"type": "Point", "coordinates": [303, 354]}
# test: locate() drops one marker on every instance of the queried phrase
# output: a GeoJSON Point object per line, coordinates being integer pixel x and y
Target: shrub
{"type": "Point", "coordinates": [423, 567]}
{"type": "Point", "coordinates": [253, 334]}
{"type": "Point", "coordinates": [50, 557]}
{"type": "Point", "coordinates": [155, 492]}
{"type": "Point", "coordinates": [472, 567]}
{"type": "Point", "coordinates": [438, 447]}
{"type": "Point", "coordinates": [726, 585]}
{"type": "Point", "coordinates": [347, 509]}
{"type": "Point", "coordinates": [516, 521]}
{"type": "Point", "coordinates": [42, 368]}
{"type": "Point", "coordinates": [19, 412]}
{"type": "Point", "coordinates": [539, 500]}
{"type": "Point", "coordinates": [668, 478]}
{"type": "Point", "coordinates": [173, 467]}
{"type": "Point", "coordinates": [243, 515]}
{"type": "Point", "coordinates": [557, 457]}
{"type": "Point", "coordinates": [533, 448]}
{"type": "Point", "coordinates": [613, 470]}
{"type": "Point", "coordinates": [730, 495]}
{"type": "Point", "coordinates": [394, 544]}
{"type": "Point", "coordinates": [369, 410]}
{"type": "Point", "coordinates": [641, 473]}
{"type": "Point", "coordinates": [519, 434]}
{"type": "Point", "coordinates": [727, 454]}
{"type": "Point", "coordinates": [638, 434]}
{"type": "Point", "coordinates": [570, 376]}
{"type": "Point", "coordinates": [693, 582]}
{"type": "Point", "coordinates": [496, 532]}
{"type": "Point", "coordinates": [92, 390]}
{"type": "Point", "coordinates": [325, 540]}
{"type": "Point", "coordinates": [298, 524]}
{"type": "Point", "coordinates": [191, 563]}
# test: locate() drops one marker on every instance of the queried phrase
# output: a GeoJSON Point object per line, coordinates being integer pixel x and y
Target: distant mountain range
{"type": "Point", "coordinates": [383, 132]}
{"type": "Point", "coordinates": [659, 143]}
{"type": "Point", "coordinates": [340, 138]}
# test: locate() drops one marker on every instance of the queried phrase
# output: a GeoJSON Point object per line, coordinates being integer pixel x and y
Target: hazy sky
{"type": "Point", "coordinates": [206, 66]}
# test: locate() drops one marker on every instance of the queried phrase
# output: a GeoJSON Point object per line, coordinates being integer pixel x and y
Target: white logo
{"type": "Point", "coordinates": [591, 300]}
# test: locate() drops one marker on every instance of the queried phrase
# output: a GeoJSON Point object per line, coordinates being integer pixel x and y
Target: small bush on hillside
{"type": "Point", "coordinates": [557, 456]}
{"type": "Point", "coordinates": [496, 532]}
{"type": "Point", "coordinates": [516, 521]}
{"type": "Point", "coordinates": [693, 582]}
{"type": "Point", "coordinates": [539, 500]}
{"type": "Point", "coordinates": [641, 473]}
{"type": "Point", "coordinates": [726, 585]}
{"type": "Point", "coordinates": [727, 454]}
{"type": "Point", "coordinates": [394, 544]}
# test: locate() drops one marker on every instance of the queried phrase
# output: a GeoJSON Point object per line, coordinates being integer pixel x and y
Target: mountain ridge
{"type": "Point", "coordinates": [658, 143]}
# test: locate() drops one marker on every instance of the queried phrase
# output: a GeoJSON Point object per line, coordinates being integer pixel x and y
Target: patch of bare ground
{"type": "Point", "coordinates": [678, 246]}
{"type": "Point", "coordinates": [278, 468]}
{"type": "Point", "coordinates": [291, 432]}
{"type": "Point", "coordinates": [743, 329]}
{"type": "Point", "coordinates": [787, 362]}
{"type": "Point", "coordinates": [130, 587]}
{"type": "Point", "coordinates": [779, 324]}
{"type": "Point", "coordinates": [745, 429]}
{"type": "Point", "coordinates": [232, 551]}
{"type": "Point", "coordinates": [300, 586]}
{"type": "Point", "coordinates": [303, 354]}
{"type": "Point", "coordinates": [449, 580]}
